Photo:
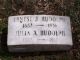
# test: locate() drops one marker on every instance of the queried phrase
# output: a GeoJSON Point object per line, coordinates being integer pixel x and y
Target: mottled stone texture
{"type": "Point", "coordinates": [31, 33]}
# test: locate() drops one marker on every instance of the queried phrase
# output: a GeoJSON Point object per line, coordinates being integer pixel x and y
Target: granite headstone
{"type": "Point", "coordinates": [31, 33]}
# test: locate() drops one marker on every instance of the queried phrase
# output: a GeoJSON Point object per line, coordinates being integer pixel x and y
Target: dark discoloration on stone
{"type": "Point", "coordinates": [38, 48]}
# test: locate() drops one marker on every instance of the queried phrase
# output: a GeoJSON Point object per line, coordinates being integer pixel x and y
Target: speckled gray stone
{"type": "Point", "coordinates": [31, 33]}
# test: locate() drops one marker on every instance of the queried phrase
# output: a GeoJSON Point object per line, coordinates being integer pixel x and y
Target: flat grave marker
{"type": "Point", "coordinates": [30, 33]}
